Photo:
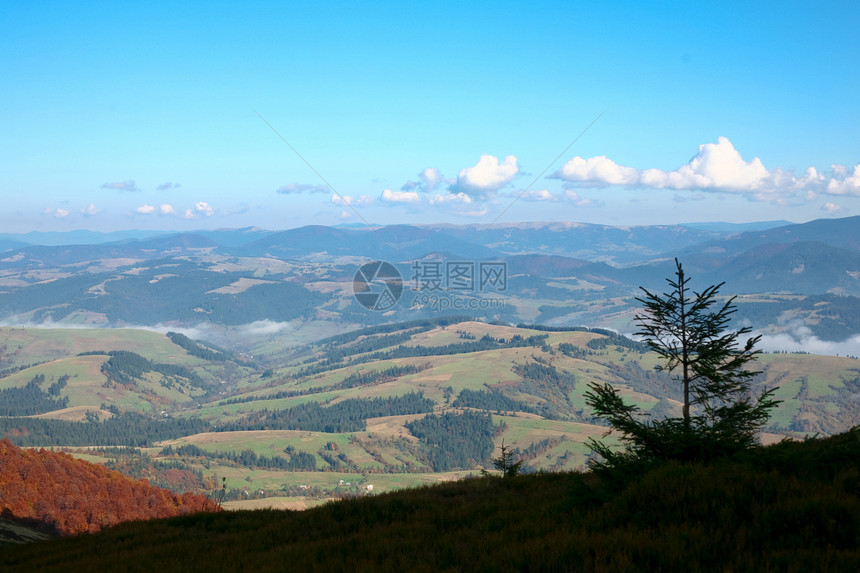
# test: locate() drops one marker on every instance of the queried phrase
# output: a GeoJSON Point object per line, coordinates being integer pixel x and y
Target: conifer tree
{"type": "Point", "coordinates": [505, 462]}
{"type": "Point", "coordinates": [689, 331]}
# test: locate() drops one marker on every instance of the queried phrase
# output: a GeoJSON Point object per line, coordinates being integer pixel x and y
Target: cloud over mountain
{"type": "Point", "coordinates": [486, 176]}
{"type": "Point", "coordinates": [347, 200]}
{"type": "Point", "coordinates": [716, 167]}
{"type": "Point", "coordinates": [390, 196]}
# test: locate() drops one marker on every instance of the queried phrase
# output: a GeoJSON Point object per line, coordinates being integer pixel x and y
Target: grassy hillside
{"type": "Point", "coordinates": [78, 360]}
{"type": "Point", "coordinates": [282, 430]}
{"type": "Point", "coordinates": [788, 507]}
{"type": "Point", "coordinates": [534, 393]}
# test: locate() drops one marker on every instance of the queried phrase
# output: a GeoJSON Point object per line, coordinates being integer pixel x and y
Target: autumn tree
{"type": "Point", "coordinates": [690, 333]}
{"type": "Point", "coordinates": [75, 496]}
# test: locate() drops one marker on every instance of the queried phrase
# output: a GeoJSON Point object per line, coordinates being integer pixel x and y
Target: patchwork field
{"type": "Point", "coordinates": [266, 417]}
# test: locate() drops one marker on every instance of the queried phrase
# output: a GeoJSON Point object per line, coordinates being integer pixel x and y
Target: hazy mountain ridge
{"type": "Point", "coordinates": [307, 273]}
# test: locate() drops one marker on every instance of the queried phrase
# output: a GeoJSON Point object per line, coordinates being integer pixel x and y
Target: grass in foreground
{"type": "Point", "coordinates": [788, 507]}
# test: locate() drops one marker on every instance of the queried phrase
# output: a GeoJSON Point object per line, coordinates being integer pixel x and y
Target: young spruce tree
{"type": "Point", "coordinates": [689, 331]}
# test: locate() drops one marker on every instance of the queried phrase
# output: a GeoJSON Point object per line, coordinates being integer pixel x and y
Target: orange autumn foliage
{"type": "Point", "coordinates": [75, 496]}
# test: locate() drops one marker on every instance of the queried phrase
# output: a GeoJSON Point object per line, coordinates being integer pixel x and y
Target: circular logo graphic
{"type": "Point", "coordinates": [377, 285]}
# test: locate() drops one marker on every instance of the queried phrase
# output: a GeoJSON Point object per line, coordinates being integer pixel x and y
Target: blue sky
{"type": "Point", "coordinates": [157, 116]}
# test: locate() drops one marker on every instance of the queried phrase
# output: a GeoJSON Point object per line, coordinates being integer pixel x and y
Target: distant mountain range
{"type": "Point", "coordinates": [556, 271]}
{"type": "Point", "coordinates": [617, 245]}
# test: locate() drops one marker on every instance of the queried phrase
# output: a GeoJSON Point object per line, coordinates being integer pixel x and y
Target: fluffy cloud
{"type": "Point", "coordinates": [346, 200]}
{"type": "Point", "coordinates": [538, 195]}
{"type": "Point", "coordinates": [543, 195]}
{"type": "Point", "coordinates": [390, 196]}
{"type": "Point", "coordinates": [145, 209]}
{"type": "Point", "coordinates": [451, 199]}
{"type": "Point", "coordinates": [459, 204]}
{"type": "Point", "coordinates": [831, 207]}
{"type": "Point", "coordinates": [166, 209]}
{"type": "Point", "coordinates": [167, 186]}
{"type": "Point", "coordinates": [842, 183]}
{"type": "Point", "coordinates": [428, 180]}
{"type": "Point", "coordinates": [597, 171]}
{"type": "Point", "coordinates": [574, 198]}
{"type": "Point", "coordinates": [201, 208]}
{"type": "Point", "coordinates": [486, 176]}
{"type": "Point", "coordinates": [716, 167]}
{"type": "Point", "coordinates": [90, 210]}
{"type": "Point", "coordinates": [129, 185]}
{"type": "Point", "coordinates": [204, 208]}
{"type": "Point", "coordinates": [291, 188]}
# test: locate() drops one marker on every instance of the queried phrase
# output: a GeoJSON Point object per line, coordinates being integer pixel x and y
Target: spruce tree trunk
{"type": "Point", "coordinates": [685, 355]}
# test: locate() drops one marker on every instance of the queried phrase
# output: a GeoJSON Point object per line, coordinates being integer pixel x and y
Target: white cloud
{"type": "Point", "coordinates": [575, 198]}
{"type": "Point", "coordinates": [189, 214]}
{"type": "Point", "coordinates": [544, 196]}
{"type": "Point", "coordinates": [90, 210]}
{"type": "Point", "coordinates": [390, 196]}
{"type": "Point", "coordinates": [166, 209]}
{"type": "Point", "coordinates": [428, 180]}
{"type": "Point", "coordinates": [128, 185]}
{"type": "Point", "coordinates": [804, 341]}
{"type": "Point", "coordinates": [291, 188]}
{"type": "Point", "coordinates": [262, 328]}
{"type": "Point", "coordinates": [487, 175]}
{"type": "Point", "coordinates": [431, 177]}
{"type": "Point", "coordinates": [459, 204]}
{"type": "Point", "coordinates": [145, 209]}
{"type": "Point", "coordinates": [538, 195]}
{"type": "Point", "coordinates": [842, 183]}
{"type": "Point", "coordinates": [597, 171]}
{"type": "Point", "coordinates": [716, 167]}
{"type": "Point", "coordinates": [831, 207]}
{"type": "Point", "coordinates": [204, 208]}
{"type": "Point", "coordinates": [345, 200]}
{"type": "Point", "coordinates": [451, 199]}
{"type": "Point", "coordinates": [216, 333]}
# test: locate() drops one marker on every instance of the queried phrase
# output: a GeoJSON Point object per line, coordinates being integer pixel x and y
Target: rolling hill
{"type": "Point", "coordinates": [374, 407]}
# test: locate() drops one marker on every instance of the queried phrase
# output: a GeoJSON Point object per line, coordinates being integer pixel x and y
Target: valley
{"type": "Point", "coordinates": [345, 416]}
{"type": "Point", "coordinates": [243, 355]}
